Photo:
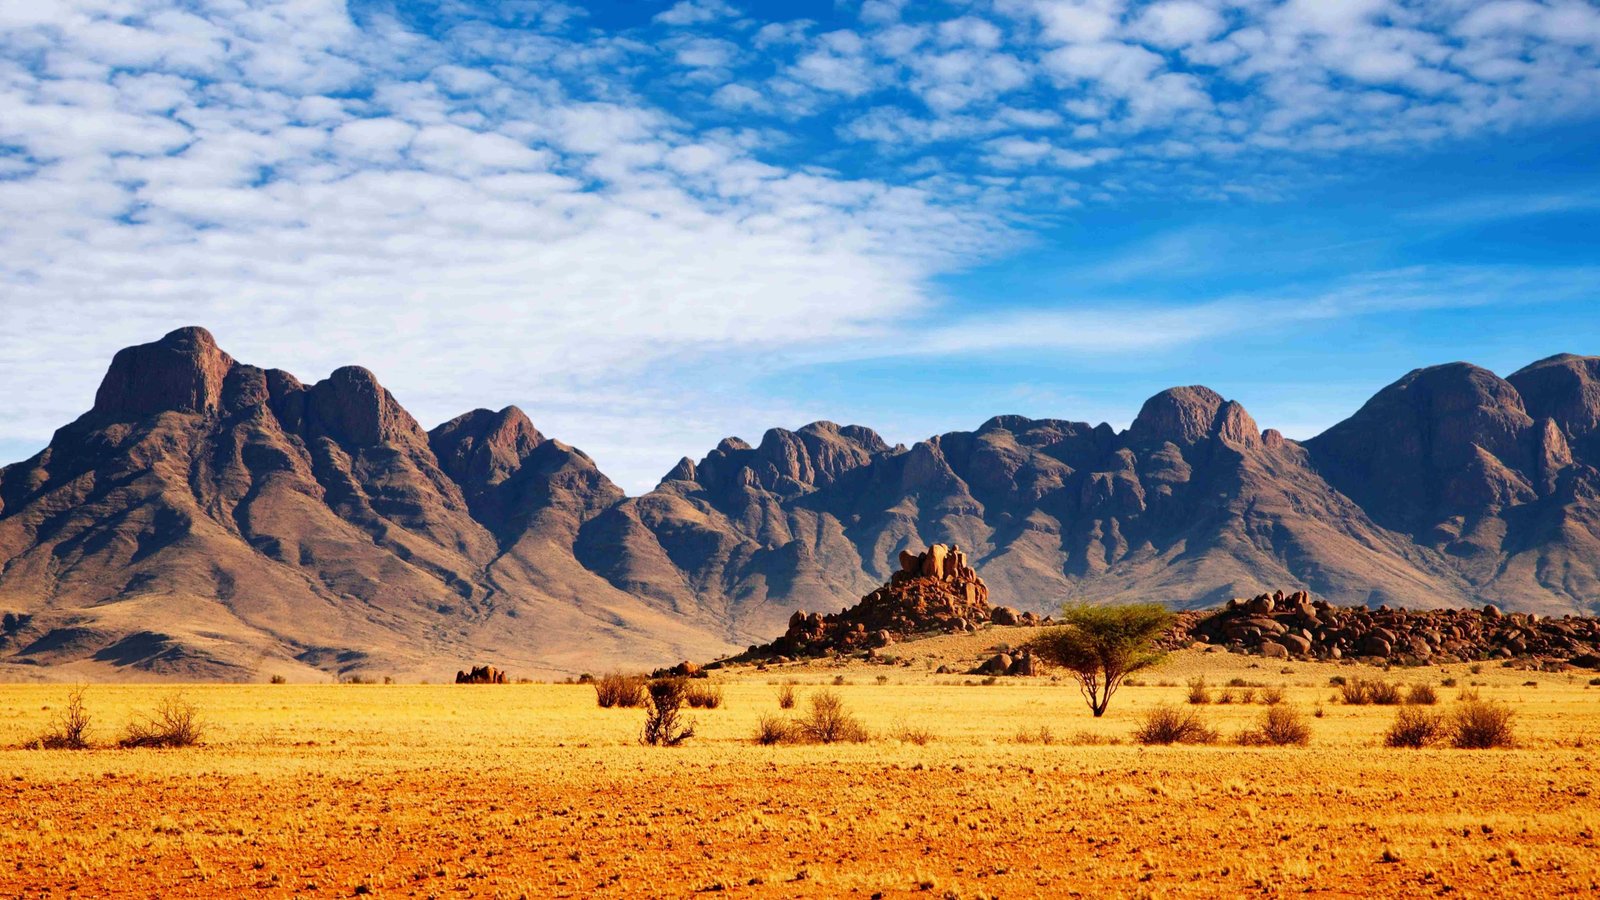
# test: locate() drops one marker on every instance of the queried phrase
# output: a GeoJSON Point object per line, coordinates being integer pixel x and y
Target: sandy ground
{"type": "Point", "coordinates": [531, 790]}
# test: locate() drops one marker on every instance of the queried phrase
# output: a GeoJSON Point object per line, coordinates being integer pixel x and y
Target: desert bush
{"type": "Point", "coordinates": [829, 722]}
{"type": "Point", "coordinates": [663, 723]}
{"type": "Point", "coordinates": [1247, 696]}
{"type": "Point", "coordinates": [1414, 728]}
{"type": "Point", "coordinates": [1422, 695]}
{"type": "Point", "coordinates": [1361, 691]}
{"type": "Point", "coordinates": [703, 695]}
{"type": "Point", "coordinates": [1039, 735]}
{"type": "Point", "coordinates": [839, 680]}
{"type": "Point", "coordinates": [1238, 683]}
{"type": "Point", "coordinates": [1272, 696]}
{"type": "Point", "coordinates": [1199, 694]}
{"type": "Point", "coordinates": [1448, 682]}
{"type": "Point", "coordinates": [774, 730]}
{"type": "Point", "coordinates": [882, 679]}
{"type": "Point", "coordinates": [1280, 726]}
{"type": "Point", "coordinates": [906, 733]}
{"type": "Point", "coordinates": [174, 723]}
{"type": "Point", "coordinates": [69, 728]}
{"type": "Point", "coordinates": [1384, 693]}
{"type": "Point", "coordinates": [786, 696]}
{"type": "Point", "coordinates": [1172, 725]}
{"type": "Point", "coordinates": [1337, 681]}
{"type": "Point", "coordinates": [1594, 682]}
{"type": "Point", "coordinates": [1480, 725]}
{"type": "Point", "coordinates": [278, 679]}
{"type": "Point", "coordinates": [1225, 698]}
{"type": "Point", "coordinates": [617, 689]}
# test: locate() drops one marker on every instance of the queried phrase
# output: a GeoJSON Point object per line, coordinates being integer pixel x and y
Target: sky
{"type": "Point", "coordinates": [653, 224]}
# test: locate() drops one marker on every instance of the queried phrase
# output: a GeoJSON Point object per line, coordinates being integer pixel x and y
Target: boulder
{"type": "Point", "coordinates": [1023, 666]}
{"type": "Point", "coordinates": [1274, 650]}
{"type": "Point", "coordinates": [1004, 615]}
{"type": "Point", "coordinates": [1295, 644]}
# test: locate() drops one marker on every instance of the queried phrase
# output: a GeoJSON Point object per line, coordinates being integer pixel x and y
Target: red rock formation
{"type": "Point", "coordinates": [933, 591]}
{"type": "Point", "coordinates": [1294, 625]}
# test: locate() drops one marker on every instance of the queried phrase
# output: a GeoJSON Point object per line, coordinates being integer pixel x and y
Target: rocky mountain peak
{"type": "Point", "coordinates": [353, 409]}
{"type": "Point", "coordinates": [1565, 388]}
{"type": "Point", "coordinates": [182, 372]}
{"type": "Point", "coordinates": [1183, 415]}
{"type": "Point", "coordinates": [484, 446]}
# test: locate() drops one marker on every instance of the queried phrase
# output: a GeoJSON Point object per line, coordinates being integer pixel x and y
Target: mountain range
{"type": "Point", "coordinates": [209, 519]}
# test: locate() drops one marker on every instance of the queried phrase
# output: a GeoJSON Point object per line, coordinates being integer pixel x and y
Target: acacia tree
{"type": "Point", "coordinates": [1102, 645]}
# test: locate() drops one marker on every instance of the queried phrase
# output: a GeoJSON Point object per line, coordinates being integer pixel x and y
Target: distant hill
{"type": "Point", "coordinates": [210, 519]}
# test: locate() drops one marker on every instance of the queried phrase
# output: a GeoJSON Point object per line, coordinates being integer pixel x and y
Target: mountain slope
{"type": "Point", "coordinates": [207, 518]}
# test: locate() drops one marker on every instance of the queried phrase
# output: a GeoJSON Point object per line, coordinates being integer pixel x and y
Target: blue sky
{"type": "Point", "coordinates": [654, 224]}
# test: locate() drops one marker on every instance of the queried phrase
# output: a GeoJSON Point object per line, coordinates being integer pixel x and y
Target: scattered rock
{"type": "Point", "coordinates": [1004, 615]}
{"type": "Point", "coordinates": [482, 675]}
{"type": "Point", "coordinates": [1297, 626]}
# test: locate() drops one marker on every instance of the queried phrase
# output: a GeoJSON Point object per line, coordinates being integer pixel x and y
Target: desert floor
{"type": "Point", "coordinates": [531, 790]}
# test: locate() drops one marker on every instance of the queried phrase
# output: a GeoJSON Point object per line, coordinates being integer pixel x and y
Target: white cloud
{"type": "Point", "coordinates": [695, 12]}
{"type": "Point", "coordinates": [583, 221]}
{"type": "Point", "coordinates": [1177, 23]}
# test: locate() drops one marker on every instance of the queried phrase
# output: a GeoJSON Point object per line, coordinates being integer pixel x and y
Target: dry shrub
{"type": "Point", "coordinates": [663, 723]}
{"type": "Point", "coordinates": [69, 728]}
{"type": "Point", "coordinates": [1171, 725]}
{"type": "Point", "coordinates": [911, 734]}
{"type": "Point", "coordinates": [1272, 696]}
{"type": "Point", "coordinates": [786, 696]}
{"type": "Point", "coordinates": [1225, 698]}
{"type": "Point", "coordinates": [1361, 691]}
{"type": "Point", "coordinates": [174, 723]}
{"type": "Point", "coordinates": [1480, 725]}
{"type": "Point", "coordinates": [1422, 695]}
{"type": "Point", "coordinates": [278, 679]}
{"type": "Point", "coordinates": [703, 695]}
{"type": "Point", "coordinates": [829, 722]}
{"type": "Point", "coordinates": [1199, 694]}
{"type": "Point", "coordinates": [1040, 735]}
{"type": "Point", "coordinates": [774, 730]}
{"type": "Point", "coordinates": [1281, 726]}
{"type": "Point", "coordinates": [1414, 728]}
{"type": "Point", "coordinates": [617, 689]}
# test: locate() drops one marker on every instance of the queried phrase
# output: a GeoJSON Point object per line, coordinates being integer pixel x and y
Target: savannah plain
{"type": "Point", "coordinates": [964, 789]}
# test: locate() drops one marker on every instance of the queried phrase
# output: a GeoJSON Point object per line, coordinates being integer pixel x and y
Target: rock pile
{"type": "Point", "coordinates": [482, 675]}
{"type": "Point", "coordinates": [934, 591]}
{"type": "Point", "coordinates": [1294, 625]}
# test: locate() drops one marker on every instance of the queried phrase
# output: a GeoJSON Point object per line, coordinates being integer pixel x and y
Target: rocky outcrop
{"type": "Point", "coordinates": [932, 592]}
{"type": "Point", "coordinates": [1296, 626]}
{"type": "Point", "coordinates": [482, 675]}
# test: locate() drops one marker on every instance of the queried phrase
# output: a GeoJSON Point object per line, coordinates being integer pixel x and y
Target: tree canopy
{"type": "Point", "coordinates": [1102, 645]}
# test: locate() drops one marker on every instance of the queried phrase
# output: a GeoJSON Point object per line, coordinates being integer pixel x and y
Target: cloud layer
{"type": "Point", "coordinates": [533, 206]}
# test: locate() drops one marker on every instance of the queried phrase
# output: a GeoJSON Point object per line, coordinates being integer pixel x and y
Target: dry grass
{"type": "Point", "coordinates": [1413, 728]}
{"type": "Point", "coordinates": [174, 723]}
{"type": "Point", "coordinates": [703, 694]}
{"type": "Point", "coordinates": [69, 728]}
{"type": "Point", "coordinates": [1279, 726]}
{"type": "Point", "coordinates": [1477, 724]}
{"type": "Point", "coordinates": [621, 690]}
{"type": "Point", "coordinates": [1171, 725]}
{"type": "Point", "coordinates": [532, 790]}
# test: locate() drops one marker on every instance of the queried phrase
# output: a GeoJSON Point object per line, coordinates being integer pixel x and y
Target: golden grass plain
{"type": "Point", "coordinates": [532, 791]}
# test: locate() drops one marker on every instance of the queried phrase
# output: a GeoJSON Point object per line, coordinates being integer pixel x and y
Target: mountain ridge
{"type": "Point", "coordinates": [208, 518]}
